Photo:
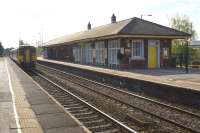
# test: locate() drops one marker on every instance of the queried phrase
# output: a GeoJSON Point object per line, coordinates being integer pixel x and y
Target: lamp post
{"type": "Point", "coordinates": [144, 15]}
{"type": "Point", "coordinates": [186, 56]}
{"type": "Point", "coordinates": [187, 52]}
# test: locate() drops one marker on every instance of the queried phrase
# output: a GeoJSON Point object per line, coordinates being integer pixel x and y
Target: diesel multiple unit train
{"type": "Point", "coordinates": [25, 56]}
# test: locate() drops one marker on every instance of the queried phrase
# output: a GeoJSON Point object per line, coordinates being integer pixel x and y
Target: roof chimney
{"type": "Point", "coordinates": [89, 26]}
{"type": "Point", "coordinates": [113, 18]}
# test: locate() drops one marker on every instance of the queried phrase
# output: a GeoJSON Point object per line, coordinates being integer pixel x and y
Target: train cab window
{"type": "Point", "coordinates": [22, 51]}
{"type": "Point", "coordinates": [32, 50]}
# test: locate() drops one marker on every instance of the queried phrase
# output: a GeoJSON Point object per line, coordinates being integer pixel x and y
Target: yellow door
{"type": "Point", "coordinates": [153, 57]}
{"type": "Point", "coordinates": [27, 56]}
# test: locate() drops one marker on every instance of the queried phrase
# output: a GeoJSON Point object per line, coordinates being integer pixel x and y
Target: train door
{"type": "Point", "coordinates": [27, 55]}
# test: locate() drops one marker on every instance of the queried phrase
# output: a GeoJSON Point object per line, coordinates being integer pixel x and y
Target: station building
{"type": "Point", "coordinates": [132, 43]}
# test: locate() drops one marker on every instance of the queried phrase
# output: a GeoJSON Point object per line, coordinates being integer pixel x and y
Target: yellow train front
{"type": "Point", "coordinates": [25, 56]}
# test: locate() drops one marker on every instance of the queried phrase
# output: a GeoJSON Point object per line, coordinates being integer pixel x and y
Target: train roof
{"type": "Point", "coordinates": [26, 46]}
{"type": "Point", "coordinates": [22, 46]}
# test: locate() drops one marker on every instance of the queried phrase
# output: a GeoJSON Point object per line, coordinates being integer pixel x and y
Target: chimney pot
{"type": "Point", "coordinates": [113, 18]}
{"type": "Point", "coordinates": [89, 26]}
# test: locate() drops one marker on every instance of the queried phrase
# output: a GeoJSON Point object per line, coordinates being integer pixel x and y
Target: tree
{"type": "Point", "coordinates": [181, 23]}
{"type": "Point", "coordinates": [7, 51]}
{"type": "Point", "coordinates": [1, 49]}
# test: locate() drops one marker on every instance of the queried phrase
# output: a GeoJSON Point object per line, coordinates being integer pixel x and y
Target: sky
{"type": "Point", "coordinates": [34, 20]}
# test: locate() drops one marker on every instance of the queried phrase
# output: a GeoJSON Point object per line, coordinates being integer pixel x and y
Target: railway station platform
{"type": "Point", "coordinates": [170, 77]}
{"type": "Point", "coordinates": [169, 85]}
{"type": "Point", "coordinates": [26, 108]}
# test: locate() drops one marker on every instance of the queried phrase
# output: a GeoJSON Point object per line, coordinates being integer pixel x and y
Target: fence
{"type": "Point", "coordinates": [179, 59]}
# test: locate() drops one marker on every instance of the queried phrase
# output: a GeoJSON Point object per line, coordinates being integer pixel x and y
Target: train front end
{"type": "Point", "coordinates": [27, 57]}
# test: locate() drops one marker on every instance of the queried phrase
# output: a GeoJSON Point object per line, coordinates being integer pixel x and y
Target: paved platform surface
{"type": "Point", "coordinates": [172, 77]}
{"type": "Point", "coordinates": [171, 74]}
{"type": "Point", "coordinates": [27, 108]}
{"type": "Point", "coordinates": [7, 115]}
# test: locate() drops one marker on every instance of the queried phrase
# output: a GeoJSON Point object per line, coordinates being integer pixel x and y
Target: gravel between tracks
{"type": "Point", "coordinates": [148, 106]}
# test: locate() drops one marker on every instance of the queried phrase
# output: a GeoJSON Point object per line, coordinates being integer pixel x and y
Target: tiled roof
{"type": "Point", "coordinates": [143, 27]}
{"type": "Point", "coordinates": [133, 26]}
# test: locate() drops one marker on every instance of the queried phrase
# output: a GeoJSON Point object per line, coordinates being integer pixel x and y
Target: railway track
{"type": "Point", "coordinates": [94, 119]}
{"type": "Point", "coordinates": [179, 117]}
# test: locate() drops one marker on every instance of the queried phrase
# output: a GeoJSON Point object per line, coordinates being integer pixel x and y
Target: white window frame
{"type": "Point", "coordinates": [76, 54]}
{"type": "Point", "coordinates": [141, 56]}
{"type": "Point", "coordinates": [99, 47]}
{"type": "Point", "coordinates": [113, 48]}
{"type": "Point", "coordinates": [82, 53]}
{"type": "Point", "coordinates": [89, 50]}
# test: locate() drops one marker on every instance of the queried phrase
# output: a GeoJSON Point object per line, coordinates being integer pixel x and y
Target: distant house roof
{"type": "Point", "coordinates": [195, 44]}
{"type": "Point", "coordinates": [133, 27]}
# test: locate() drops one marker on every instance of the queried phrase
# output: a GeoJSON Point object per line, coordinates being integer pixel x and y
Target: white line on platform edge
{"type": "Point", "coordinates": [13, 99]}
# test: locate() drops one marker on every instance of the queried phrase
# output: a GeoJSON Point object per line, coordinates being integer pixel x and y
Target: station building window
{"type": "Point", "coordinates": [137, 49]}
{"type": "Point", "coordinates": [113, 48]}
{"type": "Point", "coordinates": [82, 54]}
{"type": "Point", "coordinates": [88, 53]}
{"type": "Point", "coordinates": [76, 54]}
{"type": "Point", "coordinates": [100, 57]}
